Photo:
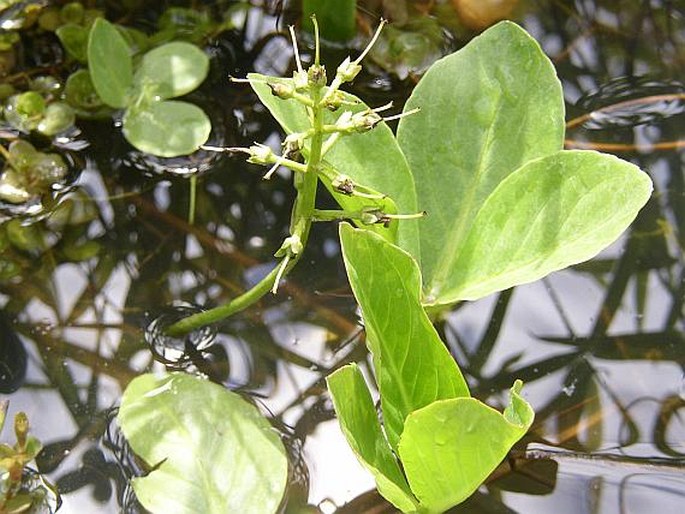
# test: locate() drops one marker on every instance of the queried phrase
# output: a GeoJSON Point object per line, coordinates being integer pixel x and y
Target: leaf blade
{"type": "Point", "coordinates": [110, 63]}
{"type": "Point", "coordinates": [485, 110]}
{"type": "Point", "coordinates": [168, 128]}
{"type": "Point", "coordinates": [550, 214]}
{"type": "Point", "coordinates": [173, 69]}
{"type": "Point", "coordinates": [198, 429]}
{"type": "Point", "coordinates": [413, 366]}
{"type": "Point", "coordinates": [359, 422]}
{"type": "Point", "coordinates": [451, 446]}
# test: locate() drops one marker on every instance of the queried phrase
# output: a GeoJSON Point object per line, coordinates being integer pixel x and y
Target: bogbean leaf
{"type": "Point", "coordinates": [359, 422]}
{"type": "Point", "coordinates": [214, 452]}
{"type": "Point", "coordinates": [110, 63]}
{"type": "Point", "coordinates": [372, 159]}
{"type": "Point", "coordinates": [451, 446]}
{"type": "Point", "coordinates": [550, 214]}
{"type": "Point", "coordinates": [167, 129]}
{"type": "Point", "coordinates": [173, 69]}
{"type": "Point", "coordinates": [413, 366]}
{"type": "Point", "coordinates": [485, 110]}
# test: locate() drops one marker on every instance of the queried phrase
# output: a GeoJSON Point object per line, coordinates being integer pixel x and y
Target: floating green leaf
{"type": "Point", "coordinates": [413, 367]}
{"type": "Point", "coordinates": [551, 213]}
{"type": "Point", "coordinates": [173, 69]}
{"type": "Point", "coordinates": [451, 446]}
{"type": "Point", "coordinates": [168, 128]}
{"type": "Point", "coordinates": [74, 39]}
{"type": "Point", "coordinates": [485, 110]}
{"type": "Point", "coordinates": [214, 452]}
{"type": "Point", "coordinates": [359, 422]}
{"type": "Point", "coordinates": [111, 66]}
{"type": "Point", "coordinates": [372, 159]}
{"type": "Point", "coordinates": [80, 93]}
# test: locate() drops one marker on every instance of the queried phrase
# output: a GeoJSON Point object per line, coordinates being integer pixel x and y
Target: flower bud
{"type": "Point", "coordinates": [365, 121]}
{"type": "Point", "coordinates": [282, 90]}
{"type": "Point", "coordinates": [316, 75]}
{"type": "Point", "coordinates": [334, 101]}
{"type": "Point", "coordinates": [348, 70]}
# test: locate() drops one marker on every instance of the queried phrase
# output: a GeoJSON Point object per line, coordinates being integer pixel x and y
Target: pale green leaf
{"type": "Point", "coordinates": [74, 39]}
{"type": "Point", "coordinates": [413, 366]}
{"type": "Point", "coordinates": [172, 70]}
{"type": "Point", "coordinates": [110, 63]}
{"type": "Point", "coordinates": [372, 159]}
{"type": "Point", "coordinates": [451, 446]}
{"type": "Point", "coordinates": [167, 129]}
{"type": "Point", "coordinates": [359, 422]}
{"type": "Point", "coordinates": [485, 110]}
{"type": "Point", "coordinates": [215, 452]}
{"type": "Point", "coordinates": [553, 212]}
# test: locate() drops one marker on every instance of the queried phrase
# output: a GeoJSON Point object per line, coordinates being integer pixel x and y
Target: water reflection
{"type": "Point", "coordinates": [599, 346]}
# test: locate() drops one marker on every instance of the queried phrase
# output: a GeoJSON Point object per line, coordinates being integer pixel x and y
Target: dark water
{"type": "Point", "coordinates": [600, 346]}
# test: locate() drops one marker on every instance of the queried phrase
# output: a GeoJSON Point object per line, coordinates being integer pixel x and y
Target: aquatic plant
{"type": "Point", "coordinates": [18, 493]}
{"type": "Point", "coordinates": [151, 119]}
{"type": "Point", "coordinates": [480, 148]}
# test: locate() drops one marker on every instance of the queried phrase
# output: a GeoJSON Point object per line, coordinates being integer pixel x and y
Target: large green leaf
{"type": "Point", "coordinates": [550, 214]}
{"type": "Point", "coordinates": [372, 159]}
{"type": "Point", "coordinates": [173, 69]}
{"type": "Point", "coordinates": [485, 110]}
{"type": "Point", "coordinates": [413, 366]}
{"type": "Point", "coordinates": [110, 64]}
{"type": "Point", "coordinates": [359, 422]}
{"type": "Point", "coordinates": [168, 128]}
{"type": "Point", "coordinates": [451, 446]}
{"type": "Point", "coordinates": [214, 452]}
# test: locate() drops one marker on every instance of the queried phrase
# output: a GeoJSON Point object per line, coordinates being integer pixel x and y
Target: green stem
{"type": "Point", "coordinates": [303, 214]}
{"type": "Point", "coordinates": [221, 312]}
{"type": "Point", "coordinates": [191, 200]}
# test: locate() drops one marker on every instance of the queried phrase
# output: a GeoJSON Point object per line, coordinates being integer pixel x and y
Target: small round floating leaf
{"type": "Point", "coordinates": [167, 129]}
{"type": "Point", "coordinates": [215, 452]}
{"type": "Point", "coordinates": [58, 118]}
{"type": "Point", "coordinates": [175, 69]}
{"type": "Point", "coordinates": [74, 39]}
{"type": "Point", "coordinates": [110, 63]}
{"type": "Point", "coordinates": [80, 93]}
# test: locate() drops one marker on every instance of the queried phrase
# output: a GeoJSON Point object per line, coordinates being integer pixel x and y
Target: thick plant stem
{"type": "Point", "coordinates": [237, 304]}
{"type": "Point", "coordinates": [303, 214]}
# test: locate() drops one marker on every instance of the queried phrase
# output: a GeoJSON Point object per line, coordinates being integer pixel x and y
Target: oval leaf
{"type": "Point", "coordinates": [173, 69]}
{"type": "Point", "coordinates": [553, 212]}
{"type": "Point", "coordinates": [110, 64]}
{"type": "Point", "coordinates": [413, 366]}
{"type": "Point", "coordinates": [485, 110]}
{"type": "Point", "coordinates": [167, 129]}
{"type": "Point", "coordinates": [359, 422]}
{"type": "Point", "coordinates": [451, 446]}
{"type": "Point", "coordinates": [214, 452]}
